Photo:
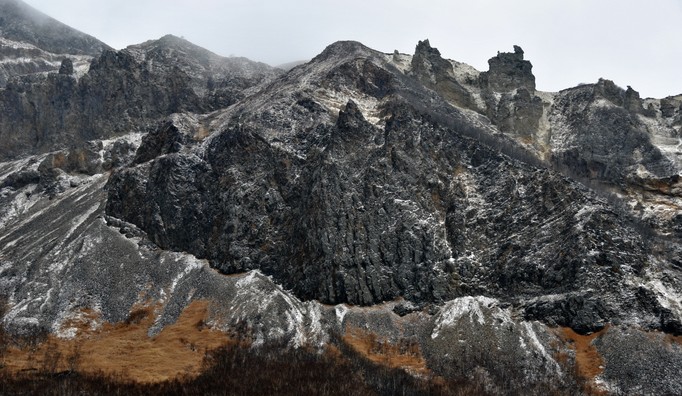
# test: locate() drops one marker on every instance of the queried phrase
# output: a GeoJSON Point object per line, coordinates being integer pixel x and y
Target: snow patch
{"type": "Point", "coordinates": [341, 311]}
{"type": "Point", "coordinates": [457, 309]}
{"type": "Point", "coordinates": [335, 101]}
{"type": "Point", "coordinates": [75, 223]}
{"type": "Point", "coordinates": [533, 338]}
{"type": "Point", "coordinates": [667, 297]}
{"type": "Point", "coordinates": [22, 202]}
{"type": "Point", "coordinates": [191, 263]}
{"type": "Point", "coordinates": [464, 74]}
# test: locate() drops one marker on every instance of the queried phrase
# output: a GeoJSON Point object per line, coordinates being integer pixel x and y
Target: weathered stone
{"type": "Point", "coordinates": [123, 91]}
{"type": "Point", "coordinates": [66, 67]}
{"type": "Point", "coordinates": [435, 72]}
{"type": "Point", "coordinates": [509, 71]}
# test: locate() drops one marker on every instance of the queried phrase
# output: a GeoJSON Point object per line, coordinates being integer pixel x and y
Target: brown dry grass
{"type": "Point", "coordinates": [672, 339]}
{"type": "Point", "coordinates": [201, 133]}
{"type": "Point", "coordinates": [589, 363]}
{"type": "Point", "coordinates": [405, 354]}
{"type": "Point", "coordinates": [124, 349]}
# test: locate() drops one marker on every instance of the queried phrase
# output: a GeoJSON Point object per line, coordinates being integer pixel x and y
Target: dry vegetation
{"type": "Point", "coordinates": [588, 362]}
{"type": "Point", "coordinates": [674, 339]}
{"type": "Point", "coordinates": [125, 349]}
{"type": "Point", "coordinates": [187, 358]}
{"type": "Point", "coordinates": [404, 354]}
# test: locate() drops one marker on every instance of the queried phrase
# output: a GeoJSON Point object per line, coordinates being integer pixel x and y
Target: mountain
{"type": "Point", "coordinates": [22, 23]}
{"type": "Point", "coordinates": [404, 208]}
{"type": "Point", "coordinates": [32, 42]}
{"type": "Point", "coordinates": [220, 79]}
{"type": "Point", "coordinates": [122, 91]}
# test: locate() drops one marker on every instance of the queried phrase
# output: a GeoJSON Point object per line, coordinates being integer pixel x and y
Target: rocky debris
{"type": "Point", "coordinates": [520, 349]}
{"type": "Point", "coordinates": [21, 178]}
{"type": "Point", "coordinates": [53, 169]}
{"type": "Point", "coordinates": [629, 367]}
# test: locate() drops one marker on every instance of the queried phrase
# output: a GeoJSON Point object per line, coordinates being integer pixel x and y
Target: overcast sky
{"type": "Point", "coordinates": [633, 42]}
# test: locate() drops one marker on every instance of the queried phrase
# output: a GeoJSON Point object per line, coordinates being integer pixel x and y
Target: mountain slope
{"type": "Point", "coordinates": [408, 207]}
{"type": "Point", "coordinates": [122, 91]}
{"type": "Point", "coordinates": [22, 23]}
{"type": "Point", "coordinates": [341, 209]}
{"type": "Point", "coordinates": [222, 80]}
{"type": "Point", "coordinates": [33, 43]}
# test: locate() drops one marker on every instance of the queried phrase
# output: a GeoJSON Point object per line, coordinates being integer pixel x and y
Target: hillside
{"type": "Point", "coordinates": [405, 216]}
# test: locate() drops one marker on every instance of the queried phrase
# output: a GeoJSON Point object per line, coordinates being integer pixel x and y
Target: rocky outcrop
{"type": "Point", "coordinates": [66, 67]}
{"type": "Point", "coordinates": [518, 113]}
{"type": "Point", "coordinates": [123, 91]}
{"type": "Point", "coordinates": [509, 71]}
{"type": "Point", "coordinates": [596, 134]}
{"type": "Point", "coordinates": [361, 212]}
{"type": "Point", "coordinates": [437, 73]}
{"type": "Point", "coordinates": [32, 43]}
{"type": "Point", "coordinates": [219, 81]}
{"type": "Point", "coordinates": [22, 59]}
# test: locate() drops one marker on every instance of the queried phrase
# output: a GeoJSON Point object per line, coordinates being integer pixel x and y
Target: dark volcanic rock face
{"type": "Point", "coordinates": [445, 194]}
{"type": "Point", "coordinates": [436, 73]}
{"type": "Point", "coordinates": [361, 212]}
{"type": "Point", "coordinates": [596, 134]}
{"type": "Point", "coordinates": [123, 91]}
{"type": "Point", "coordinates": [118, 94]}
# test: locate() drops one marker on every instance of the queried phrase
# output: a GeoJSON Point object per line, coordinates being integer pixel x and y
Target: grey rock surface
{"type": "Point", "coordinates": [346, 210]}
{"type": "Point", "coordinates": [123, 91]}
{"type": "Point", "coordinates": [509, 71]}
{"type": "Point", "coordinates": [408, 196]}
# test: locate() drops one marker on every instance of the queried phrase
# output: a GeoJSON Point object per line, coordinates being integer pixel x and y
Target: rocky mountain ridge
{"type": "Point", "coordinates": [410, 196]}
{"type": "Point", "coordinates": [32, 42]}
{"type": "Point", "coordinates": [122, 91]}
{"type": "Point", "coordinates": [405, 200]}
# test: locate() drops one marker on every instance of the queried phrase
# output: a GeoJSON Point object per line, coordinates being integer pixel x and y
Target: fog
{"type": "Point", "coordinates": [632, 42]}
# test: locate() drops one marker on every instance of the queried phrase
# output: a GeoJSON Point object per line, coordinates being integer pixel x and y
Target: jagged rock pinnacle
{"type": "Point", "coordinates": [66, 67]}
{"type": "Point", "coordinates": [509, 71]}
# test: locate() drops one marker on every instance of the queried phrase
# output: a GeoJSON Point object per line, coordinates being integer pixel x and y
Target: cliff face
{"type": "Point", "coordinates": [32, 42]}
{"type": "Point", "coordinates": [389, 199]}
{"type": "Point", "coordinates": [122, 91]}
{"type": "Point", "coordinates": [424, 200]}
